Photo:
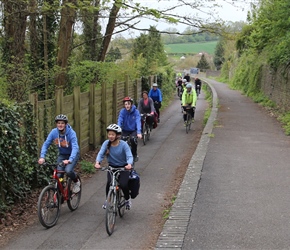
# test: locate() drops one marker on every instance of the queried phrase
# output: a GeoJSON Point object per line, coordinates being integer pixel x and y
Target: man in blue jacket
{"type": "Point", "coordinates": [156, 95]}
{"type": "Point", "coordinates": [65, 138]}
{"type": "Point", "coordinates": [130, 121]}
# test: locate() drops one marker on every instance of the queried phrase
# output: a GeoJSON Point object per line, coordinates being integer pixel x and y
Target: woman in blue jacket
{"type": "Point", "coordinates": [118, 154]}
{"type": "Point", "coordinates": [156, 95]}
{"type": "Point", "coordinates": [130, 121]}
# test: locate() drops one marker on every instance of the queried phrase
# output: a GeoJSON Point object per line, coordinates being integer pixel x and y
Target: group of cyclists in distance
{"type": "Point", "coordinates": [117, 151]}
{"type": "Point", "coordinates": [188, 95]}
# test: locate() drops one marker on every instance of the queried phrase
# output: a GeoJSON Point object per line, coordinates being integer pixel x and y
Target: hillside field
{"type": "Point", "coordinates": [191, 48]}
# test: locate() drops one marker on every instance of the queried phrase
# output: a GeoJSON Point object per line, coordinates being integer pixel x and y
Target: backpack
{"type": "Point", "coordinates": [134, 184]}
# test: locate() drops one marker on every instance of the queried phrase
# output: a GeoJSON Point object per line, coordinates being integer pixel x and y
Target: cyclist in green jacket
{"type": "Point", "coordinates": [189, 98]}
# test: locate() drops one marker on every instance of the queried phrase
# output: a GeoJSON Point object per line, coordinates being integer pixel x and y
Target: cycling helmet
{"type": "Point", "coordinates": [189, 85]}
{"type": "Point", "coordinates": [61, 117]}
{"type": "Point", "coordinates": [127, 98]}
{"type": "Point", "coordinates": [154, 84]}
{"type": "Point", "coordinates": [114, 127]}
{"type": "Point", "coordinates": [184, 80]}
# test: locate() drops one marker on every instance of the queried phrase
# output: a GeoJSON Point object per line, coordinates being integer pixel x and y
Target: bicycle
{"type": "Point", "coordinates": [115, 199]}
{"type": "Point", "coordinates": [187, 111]}
{"type": "Point", "coordinates": [127, 138]}
{"type": "Point", "coordinates": [197, 90]}
{"type": "Point", "coordinates": [56, 193]}
{"type": "Point", "coordinates": [179, 90]}
{"type": "Point", "coordinates": [145, 128]}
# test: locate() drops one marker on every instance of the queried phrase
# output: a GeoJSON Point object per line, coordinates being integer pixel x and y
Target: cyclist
{"type": "Point", "coordinates": [187, 77]}
{"type": "Point", "coordinates": [145, 106]}
{"type": "Point", "coordinates": [118, 154]}
{"type": "Point", "coordinates": [64, 137]}
{"type": "Point", "coordinates": [197, 83]}
{"type": "Point", "coordinates": [130, 121]}
{"type": "Point", "coordinates": [156, 95]}
{"type": "Point", "coordinates": [189, 99]}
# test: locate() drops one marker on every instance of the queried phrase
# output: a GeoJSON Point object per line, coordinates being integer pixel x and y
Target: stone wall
{"type": "Point", "coordinates": [276, 86]}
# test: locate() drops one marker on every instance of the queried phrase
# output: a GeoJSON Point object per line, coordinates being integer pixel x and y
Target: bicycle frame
{"type": "Point", "coordinates": [114, 172]}
{"type": "Point", "coordinates": [145, 128]}
{"type": "Point", "coordinates": [56, 181]}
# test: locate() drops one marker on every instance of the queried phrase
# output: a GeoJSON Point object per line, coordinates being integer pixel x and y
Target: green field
{"type": "Point", "coordinates": [191, 48]}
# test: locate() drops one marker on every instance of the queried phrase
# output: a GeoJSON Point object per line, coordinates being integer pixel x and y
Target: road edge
{"type": "Point", "coordinates": [175, 227]}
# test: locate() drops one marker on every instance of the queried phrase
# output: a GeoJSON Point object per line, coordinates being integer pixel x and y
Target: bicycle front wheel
{"type": "Point", "coordinates": [148, 132]}
{"type": "Point", "coordinates": [121, 202]}
{"type": "Point", "coordinates": [144, 134]}
{"type": "Point", "coordinates": [188, 123]}
{"type": "Point", "coordinates": [73, 198]}
{"type": "Point", "coordinates": [48, 206]}
{"type": "Point", "coordinates": [111, 212]}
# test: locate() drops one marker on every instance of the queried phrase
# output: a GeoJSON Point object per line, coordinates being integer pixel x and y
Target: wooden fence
{"type": "Point", "coordinates": [89, 113]}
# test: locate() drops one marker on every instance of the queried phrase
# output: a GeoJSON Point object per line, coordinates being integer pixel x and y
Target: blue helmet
{"type": "Point", "coordinates": [189, 85]}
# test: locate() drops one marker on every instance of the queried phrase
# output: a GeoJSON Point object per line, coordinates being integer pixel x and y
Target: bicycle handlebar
{"type": "Point", "coordinates": [48, 164]}
{"type": "Point", "coordinates": [148, 114]}
{"type": "Point", "coordinates": [110, 168]}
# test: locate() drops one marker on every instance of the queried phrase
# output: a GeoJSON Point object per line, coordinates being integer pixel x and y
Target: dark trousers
{"type": "Point", "coordinates": [191, 110]}
{"type": "Point", "coordinates": [133, 140]}
{"type": "Point", "coordinates": [157, 106]}
{"type": "Point", "coordinates": [123, 183]}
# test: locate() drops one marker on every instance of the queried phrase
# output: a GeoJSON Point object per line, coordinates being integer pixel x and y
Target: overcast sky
{"type": "Point", "coordinates": [227, 13]}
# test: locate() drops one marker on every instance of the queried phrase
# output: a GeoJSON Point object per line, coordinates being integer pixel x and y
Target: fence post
{"type": "Point", "coordinates": [136, 91]}
{"type": "Point", "coordinates": [92, 118]}
{"type": "Point", "coordinates": [58, 100]}
{"type": "Point", "coordinates": [77, 113]}
{"type": "Point", "coordinates": [127, 85]}
{"type": "Point", "coordinates": [115, 102]}
{"type": "Point", "coordinates": [33, 99]}
{"type": "Point", "coordinates": [104, 118]}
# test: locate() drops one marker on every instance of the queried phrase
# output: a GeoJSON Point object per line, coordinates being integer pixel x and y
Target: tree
{"type": "Point", "coordinates": [113, 55]}
{"type": "Point", "coordinates": [219, 55]}
{"type": "Point", "coordinates": [150, 47]}
{"type": "Point", "coordinates": [203, 65]}
{"type": "Point", "coordinates": [68, 15]}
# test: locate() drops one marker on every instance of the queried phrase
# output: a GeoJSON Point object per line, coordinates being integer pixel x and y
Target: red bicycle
{"type": "Point", "coordinates": [56, 193]}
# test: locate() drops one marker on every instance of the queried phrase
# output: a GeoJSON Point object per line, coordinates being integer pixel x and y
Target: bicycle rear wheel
{"type": "Point", "coordinates": [121, 203]}
{"type": "Point", "coordinates": [73, 198]}
{"type": "Point", "coordinates": [111, 212]}
{"type": "Point", "coordinates": [48, 206]}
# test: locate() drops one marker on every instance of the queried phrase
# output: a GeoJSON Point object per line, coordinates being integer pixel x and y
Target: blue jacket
{"type": "Point", "coordinates": [119, 156]}
{"type": "Point", "coordinates": [67, 144]}
{"type": "Point", "coordinates": [155, 95]}
{"type": "Point", "coordinates": [130, 120]}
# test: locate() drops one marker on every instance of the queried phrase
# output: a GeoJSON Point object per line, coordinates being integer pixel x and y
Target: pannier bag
{"type": "Point", "coordinates": [134, 184]}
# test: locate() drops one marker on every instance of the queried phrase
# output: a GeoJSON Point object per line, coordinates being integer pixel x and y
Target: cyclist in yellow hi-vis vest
{"type": "Point", "coordinates": [189, 98]}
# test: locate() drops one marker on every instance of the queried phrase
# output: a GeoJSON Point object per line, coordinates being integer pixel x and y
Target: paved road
{"type": "Point", "coordinates": [159, 162]}
{"type": "Point", "coordinates": [240, 187]}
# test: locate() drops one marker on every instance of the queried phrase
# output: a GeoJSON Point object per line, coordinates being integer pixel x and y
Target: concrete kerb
{"type": "Point", "coordinates": [175, 228]}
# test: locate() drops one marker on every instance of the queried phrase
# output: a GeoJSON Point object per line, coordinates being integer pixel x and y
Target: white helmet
{"type": "Point", "coordinates": [184, 80]}
{"type": "Point", "coordinates": [154, 84]}
{"type": "Point", "coordinates": [114, 127]}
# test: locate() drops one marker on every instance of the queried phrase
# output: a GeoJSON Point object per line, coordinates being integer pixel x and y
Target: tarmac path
{"type": "Point", "coordinates": [241, 199]}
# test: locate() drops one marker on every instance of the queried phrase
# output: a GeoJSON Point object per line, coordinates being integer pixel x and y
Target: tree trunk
{"type": "Point", "coordinates": [14, 27]}
{"type": "Point", "coordinates": [109, 30]}
{"type": "Point", "coordinates": [68, 15]}
{"type": "Point", "coordinates": [33, 32]}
